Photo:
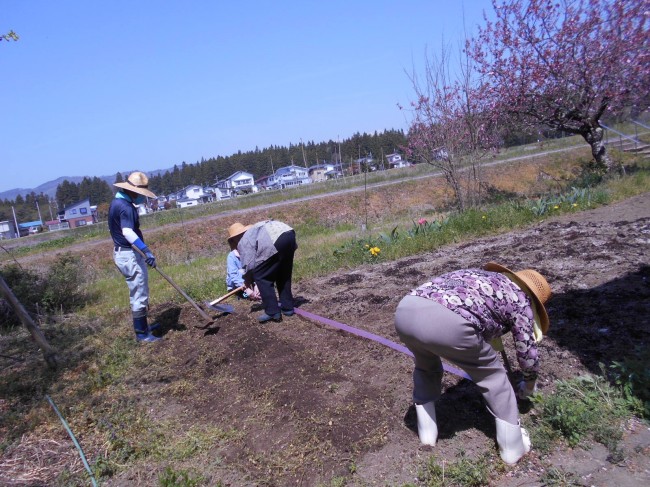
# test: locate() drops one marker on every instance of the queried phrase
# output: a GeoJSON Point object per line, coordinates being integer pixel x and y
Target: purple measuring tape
{"type": "Point", "coordinates": [372, 336]}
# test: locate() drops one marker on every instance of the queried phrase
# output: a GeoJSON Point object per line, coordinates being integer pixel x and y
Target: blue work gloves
{"type": "Point", "coordinates": [150, 259]}
{"type": "Point", "coordinates": [148, 255]}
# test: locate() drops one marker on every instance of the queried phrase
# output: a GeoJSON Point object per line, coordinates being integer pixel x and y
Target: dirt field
{"type": "Point", "coordinates": [309, 403]}
{"type": "Point", "coordinates": [304, 403]}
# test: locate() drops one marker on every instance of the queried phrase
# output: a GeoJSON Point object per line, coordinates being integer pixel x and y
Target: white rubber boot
{"type": "Point", "coordinates": [427, 426]}
{"type": "Point", "coordinates": [513, 441]}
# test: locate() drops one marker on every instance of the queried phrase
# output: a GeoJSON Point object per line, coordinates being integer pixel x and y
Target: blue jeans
{"type": "Point", "coordinates": [134, 269]}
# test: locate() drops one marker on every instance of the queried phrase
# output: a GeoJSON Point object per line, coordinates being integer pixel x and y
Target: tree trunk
{"type": "Point", "coordinates": [594, 137]}
{"type": "Point", "coordinates": [453, 181]}
{"type": "Point", "coordinates": [48, 352]}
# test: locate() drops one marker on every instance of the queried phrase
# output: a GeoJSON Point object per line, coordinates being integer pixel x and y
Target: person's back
{"type": "Point", "coordinates": [234, 271]}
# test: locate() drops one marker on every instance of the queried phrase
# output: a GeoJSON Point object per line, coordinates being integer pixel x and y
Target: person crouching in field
{"type": "Point", "coordinates": [267, 249]}
{"type": "Point", "coordinates": [455, 316]}
{"type": "Point", "coordinates": [234, 270]}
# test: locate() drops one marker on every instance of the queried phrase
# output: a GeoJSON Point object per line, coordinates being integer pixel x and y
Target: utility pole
{"type": "Point", "coordinates": [15, 222]}
{"type": "Point", "coordinates": [302, 146]}
{"type": "Point", "coordinates": [39, 212]}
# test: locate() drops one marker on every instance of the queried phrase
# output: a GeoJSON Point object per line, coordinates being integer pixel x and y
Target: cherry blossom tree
{"type": "Point", "coordinates": [451, 127]}
{"type": "Point", "coordinates": [566, 64]}
{"type": "Point", "coordinates": [9, 36]}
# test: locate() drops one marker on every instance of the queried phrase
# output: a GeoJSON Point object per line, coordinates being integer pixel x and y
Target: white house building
{"type": "Point", "coordinates": [239, 183]}
{"type": "Point", "coordinates": [193, 195]}
{"type": "Point", "coordinates": [288, 176]}
{"type": "Point", "coordinates": [395, 161]}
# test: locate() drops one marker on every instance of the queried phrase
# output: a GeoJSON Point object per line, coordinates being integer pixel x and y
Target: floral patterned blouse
{"type": "Point", "coordinates": [493, 304]}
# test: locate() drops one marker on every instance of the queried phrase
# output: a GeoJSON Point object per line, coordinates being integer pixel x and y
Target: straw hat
{"type": "Point", "coordinates": [137, 182]}
{"type": "Point", "coordinates": [537, 287]}
{"type": "Point", "coordinates": [237, 229]}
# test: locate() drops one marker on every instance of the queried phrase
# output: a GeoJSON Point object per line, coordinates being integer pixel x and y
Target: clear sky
{"type": "Point", "coordinates": [93, 88]}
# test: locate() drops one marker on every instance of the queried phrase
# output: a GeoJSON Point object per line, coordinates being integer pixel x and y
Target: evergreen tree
{"type": "Point", "coordinates": [67, 193]}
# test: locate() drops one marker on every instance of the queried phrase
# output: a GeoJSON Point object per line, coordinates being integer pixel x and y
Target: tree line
{"type": "Point", "coordinates": [34, 206]}
{"type": "Point", "coordinates": [266, 161]}
{"type": "Point", "coordinates": [206, 172]}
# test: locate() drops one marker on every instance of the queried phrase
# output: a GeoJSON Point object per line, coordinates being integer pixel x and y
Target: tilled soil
{"type": "Point", "coordinates": [304, 403]}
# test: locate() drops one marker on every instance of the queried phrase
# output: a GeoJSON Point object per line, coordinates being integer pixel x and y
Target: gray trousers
{"type": "Point", "coordinates": [431, 331]}
{"type": "Point", "coordinates": [134, 269]}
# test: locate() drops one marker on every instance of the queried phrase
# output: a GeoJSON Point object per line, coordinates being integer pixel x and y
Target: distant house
{"type": "Point", "coordinates": [185, 202]}
{"type": "Point", "coordinates": [239, 183]}
{"type": "Point", "coordinates": [54, 225]}
{"type": "Point", "coordinates": [7, 230]}
{"type": "Point", "coordinates": [323, 172]}
{"type": "Point", "coordinates": [334, 173]}
{"type": "Point", "coordinates": [192, 195]}
{"type": "Point", "coordinates": [79, 215]}
{"type": "Point", "coordinates": [364, 164]}
{"type": "Point", "coordinates": [262, 182]}
{"type": "Point", "coordinates": [30, 228]}
{"type": "Point", "coordinates": [221, 193]}
{"type": "Point", "coordinates": [395, 161]}
{"type": "Point", "coordinates": [288, 176]}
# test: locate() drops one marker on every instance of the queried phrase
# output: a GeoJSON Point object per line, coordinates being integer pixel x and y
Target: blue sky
{"type": "Point", "coordinates": [92, 88]}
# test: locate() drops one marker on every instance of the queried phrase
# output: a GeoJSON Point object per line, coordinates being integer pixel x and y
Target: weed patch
{"type": "Point", "coordinates": [557, 477]}
{"type": "Point", "coordinates": [585, 407]}
{"type": "Point", "coordinates": [632, 375]}
{"type": "Point", "coordinates": [180, 478]}
{"type": "Point", "coordinates": [62, 289]}
{"type": "Point", "coordinates": [464, 472]}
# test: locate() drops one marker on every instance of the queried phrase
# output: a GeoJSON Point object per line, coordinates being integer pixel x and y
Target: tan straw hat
{"type": "Point", "coordinates": [137, 182]}
{"type": "Point", "coordinates": [237, 229]}
{"type": "Point", "coordinates": [533, 282]}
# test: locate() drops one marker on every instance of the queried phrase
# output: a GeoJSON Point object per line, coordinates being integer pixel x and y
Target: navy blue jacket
{"type": "Point", "coordinates": [122, 214]}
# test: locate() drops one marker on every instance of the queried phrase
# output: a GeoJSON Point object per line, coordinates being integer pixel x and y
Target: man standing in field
{"type": "Point", "coordinates": [124, 225]}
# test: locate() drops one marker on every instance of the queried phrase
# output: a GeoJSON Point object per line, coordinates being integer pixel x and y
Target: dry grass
{"type": "Point", "coordinates": [38, 460]}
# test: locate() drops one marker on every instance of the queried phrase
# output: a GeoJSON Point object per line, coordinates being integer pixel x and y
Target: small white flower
{"type": "Point", "coordinates": [486, 288]}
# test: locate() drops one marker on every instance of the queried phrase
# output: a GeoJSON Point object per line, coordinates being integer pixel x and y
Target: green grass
{"type": "Point", "coordinates": [465, 472]}
{"type": "Point", "coordinates": [325, 249]}
{"type": "Point", "coordinates": [104, 355]}
{"type": "Point", "coordinates": [582, 409]}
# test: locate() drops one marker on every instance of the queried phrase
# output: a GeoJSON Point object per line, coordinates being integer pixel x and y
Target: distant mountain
{"type": "Point", "coordinates": [49, 188]}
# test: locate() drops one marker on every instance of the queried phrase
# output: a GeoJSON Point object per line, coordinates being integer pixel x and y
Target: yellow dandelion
{"type": "Point", "coordinates": [555, 207]}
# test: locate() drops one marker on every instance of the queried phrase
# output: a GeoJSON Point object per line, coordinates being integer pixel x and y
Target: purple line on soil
{"type": "Point", "coordinates": [376, 338]}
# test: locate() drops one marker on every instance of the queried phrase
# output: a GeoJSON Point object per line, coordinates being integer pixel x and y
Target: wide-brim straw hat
{"type": "Point", "coordinates": [537, 287]}
{"type": "Point", "coordinates": [137, 182]}
{"type": "Point", "coordinates": [237, 229]}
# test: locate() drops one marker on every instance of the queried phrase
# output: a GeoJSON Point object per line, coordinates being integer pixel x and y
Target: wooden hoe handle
{"type": "Point", "coordinates": [203, 314]}
{"type": "Point", "coordinates": [227, 295]}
